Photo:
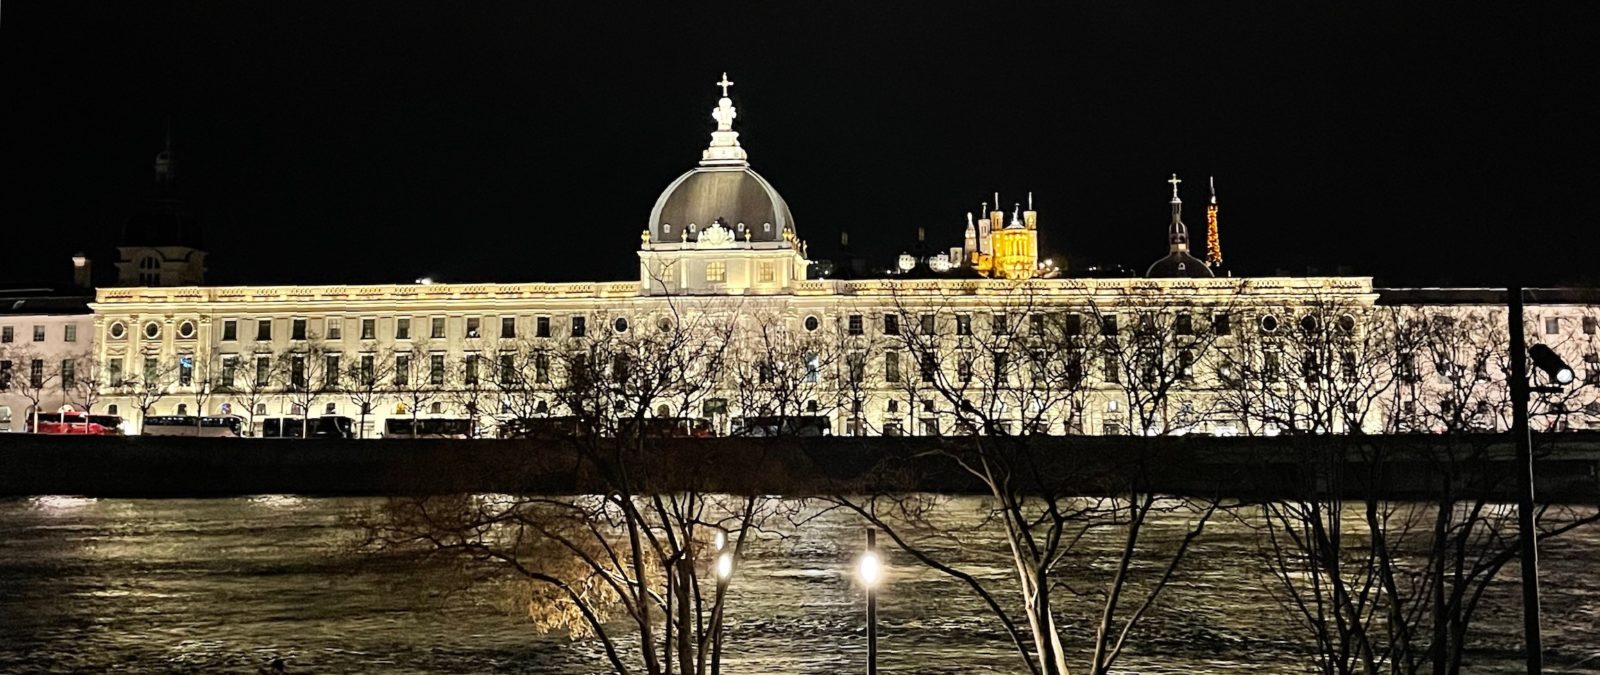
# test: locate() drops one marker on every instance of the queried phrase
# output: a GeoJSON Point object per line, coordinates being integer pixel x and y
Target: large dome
{"type": "Point", "coordinates": [741, 198]}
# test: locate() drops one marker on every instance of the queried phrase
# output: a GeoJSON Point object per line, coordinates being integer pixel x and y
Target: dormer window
{"type": "Point", "coordinates": [666, 228]}
{"type": "Point", "coordinates": [766, 228]}
{"type": "Point", "coordinates": [149, 271]}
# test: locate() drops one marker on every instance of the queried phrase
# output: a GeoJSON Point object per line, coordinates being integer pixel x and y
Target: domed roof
{"type": "Point", "coordinates": [743, 200]}
{"type": "Point", "coordinates": [1179, 264]}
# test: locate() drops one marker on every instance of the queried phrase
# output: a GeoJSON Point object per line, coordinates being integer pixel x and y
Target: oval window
{"type": "Point", "coordinates": [118, 330]}
{"type": "Point", "coordinates": [663, 324]}
{"type": "Point", "coordinates": [812, 324]}
{"type": "Point", "coordinates": [1269, 323]}
{"type": "Point", "coordinates": [152, 330]}
{"type": "Point", "coordinates": [186, 329]}
{"type": "Point", "coordinates": [620, 325]}
{"type": "Point", "coordinates": [1347, 323]}
{"type": "Point", "coordinates": [1308, 323]}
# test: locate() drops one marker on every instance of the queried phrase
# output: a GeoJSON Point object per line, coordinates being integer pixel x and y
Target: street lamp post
{"type": "Point", "coordinates": [1521, 391]}
{"type": "Point", "coordinates": [724, 572]}
{"type": "Point", "coordinates": [869, 571]}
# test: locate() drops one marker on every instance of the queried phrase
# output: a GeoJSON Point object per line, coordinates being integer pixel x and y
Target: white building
{"type": "Point", "coordinates": [46, 345]}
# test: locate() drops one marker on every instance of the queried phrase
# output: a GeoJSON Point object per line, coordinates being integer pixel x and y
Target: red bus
{"type": "Point", "coordinates": [76, 424]}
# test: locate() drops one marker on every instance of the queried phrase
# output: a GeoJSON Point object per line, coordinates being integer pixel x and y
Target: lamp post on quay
{"type": "Point", "coordinates": [869, 573]}
{"type": "Point", "coordinates": [723, 567]}
{"type": "Point", "coordinates": [1521, 390]}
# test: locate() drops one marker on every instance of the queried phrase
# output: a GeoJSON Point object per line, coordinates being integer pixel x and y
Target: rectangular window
{"type": "Point", "coordinates": [1002, 367]}
{"type": "Point", "coordinates": [297, 371]}
{"type": "Point", "coordinates": [38, 333]}
{"type": "Point", "coordinates": [964, 366]}
{"type": "Point", "coordinates": [473, 326]}
{"type": "Point", "coordinates": [1036, 324]}
{"type": "Point", "coordinates": [69, 333]}
{"type": "Point", "coordinates": [8, 334]}
{"type": "Point", "coordinates": [1221, 325]}
{"type": "Point", "coordinates": [541, 368]}
{"type": "Point", "coordinates": [5, 375]}
{"type": "Point", "coordinates": [263, 371]}
{"type": "Point", "coordinates": [928, 367]}
{"type": "Point", "coordinates": [230, 365]}
{"type": "Point", "coordinates": [1552, 326]}
{"type": "Point", "coordinates": [1183, 324]}
{"type": "Point", "coordinates": [855, 324]}
{"type": "Point", "coordinates": [69, 373]}
{"type": "Point", "coordinates": [508, 327]}
{"type": "Point", "coordinates": [1590, 324]}
{"type": "Point", "coordinates": [1108, 325]}
{"type": "Point", "coordinates": [470, 369]}
{"type": "Point", "coordinates": [1074, 325]}
{"type": "Point", "coordinates": [579, 326]}
{"type": "Point", "coordinates": [113, 372]}
{"type": "Point", "coordinates": [437, 330]}
{"type": "Point", "coordinates": [297, 329]}
{"type": "Point", "coordinates": [963, 324]}
{"type": "Point", "coordinates": [998, 324]}
{"type": "Point", "coordinates": [541, 327]}
{"type": "Point", "coordinates": [36, 373]}
{"type": "Point", "coordinates": [1110, 369]}
{"type": "Point", "coordinates": [185, 370]}
{"type": "Point", "coordinates": [813, 366]}
{"type": "Point", "coordinates": [402, 329]}
{"type": "Point", "coordinates": [402, 370]}
{"type": "Point", "coordinates": [927, 324]}
{"type": "Point", "coordinates": [508, 368]}
{"type": "Point", "coordinates": [335, 329]}
{"type": "Point", "coordinates": [716, 271]}
{"type": "Point", "coordinates": [856, 364]}
{"type": "Point", "coordinates": [264, 329]}
{"type": "Point", "coordinates": [369, 370]}
{"type": "Point", "coordinates": [891, 324]}
{"type": "Point", "coordinates": [369, 329]}
{"type": "Point", "coordinates": [152, 370]}
{"type": "Point", "coordinates": [330, 370]}
{"type": "Point", "coordinates": [436, 369]}
{"type": "Point", "coordinates": [230, 330]}
{"type": "Point", "coordinates": [891, 366]}
{"type": "Point", "coordinates": [766, 272]}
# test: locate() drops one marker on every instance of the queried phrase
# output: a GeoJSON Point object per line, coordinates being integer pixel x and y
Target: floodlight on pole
{"type": "Point", "coordinates": [1546, 360]}
{"type": "Point", "coordinates": [724, 565]}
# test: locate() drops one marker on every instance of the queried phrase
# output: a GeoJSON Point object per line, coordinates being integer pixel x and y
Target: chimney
{"type": "Point", "coordinates": [82, 276]}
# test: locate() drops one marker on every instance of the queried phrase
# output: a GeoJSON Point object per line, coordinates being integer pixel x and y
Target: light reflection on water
{"type": "Point", "coordinates": [226, 584]}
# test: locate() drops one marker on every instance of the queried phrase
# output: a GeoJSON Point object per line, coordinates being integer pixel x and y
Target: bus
{"type": "Point", "coordinates": [543, 427]}
{"type": "Point", "coordinates": [327, 426]}
{"type": "Point", "coordinates": [76, 424]}
{"type": "Point", "coordinates": [435, 427]}
{"type": "Point", "coordinates": [667, 427]}
{"type": "Point", "coordinates": [219, 426]}
{"type": "Point", "coordinates": [768, 426]}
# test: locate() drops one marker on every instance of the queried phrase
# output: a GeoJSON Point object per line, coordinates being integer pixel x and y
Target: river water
{"type": "Point", "coordinates": [223, 585]}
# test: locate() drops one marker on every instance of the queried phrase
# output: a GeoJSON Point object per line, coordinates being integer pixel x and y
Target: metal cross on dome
{"type": "Point", "coordinates": [725, 83]}
{"type": "Point", "coordinates": [1174, 180]}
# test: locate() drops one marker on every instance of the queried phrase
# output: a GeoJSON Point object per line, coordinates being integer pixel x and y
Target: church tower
{"type": "Point", "coordinates": [161, 244]}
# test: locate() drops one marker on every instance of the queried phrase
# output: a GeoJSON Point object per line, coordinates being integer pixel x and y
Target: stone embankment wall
{"type": "Point", "coordinates": [1400, 467]}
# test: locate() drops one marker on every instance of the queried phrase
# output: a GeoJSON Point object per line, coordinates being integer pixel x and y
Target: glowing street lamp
{"type": "Point", "coordinates": [1522, 389]}
{"type": "Point", "coordinates": [869, 573]}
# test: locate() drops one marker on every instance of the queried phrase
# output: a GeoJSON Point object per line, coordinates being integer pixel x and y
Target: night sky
{"type": "Point", "coordinates": [378, 142]}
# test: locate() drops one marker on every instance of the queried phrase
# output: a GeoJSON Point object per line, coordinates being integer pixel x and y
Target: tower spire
{"type": "Point", "coordinates": [1177, 232]}
{"type": "Point", "coordinates": [1213, 239]}
{"type": "Point", "coordinates": [164, 164]}
{"type": "Point", "coordinates": [724, 149]}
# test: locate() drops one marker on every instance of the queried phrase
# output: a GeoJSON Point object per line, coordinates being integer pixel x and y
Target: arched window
{"type": "Point", "coordinates": [663, 411]}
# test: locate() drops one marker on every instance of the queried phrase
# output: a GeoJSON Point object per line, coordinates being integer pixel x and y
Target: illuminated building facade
{"type": "Point", "coordinates": [1007, 350]}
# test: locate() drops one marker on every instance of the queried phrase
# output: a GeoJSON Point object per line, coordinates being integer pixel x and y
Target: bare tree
{"type": "Point", "coordinates": [632, 559]}
{"type": "Point", "coordinates": [1010, 377]}
{"type": "Point", "coordinates": [366, 379]}
{"type": "Point", "coordinates": [38, 376]}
